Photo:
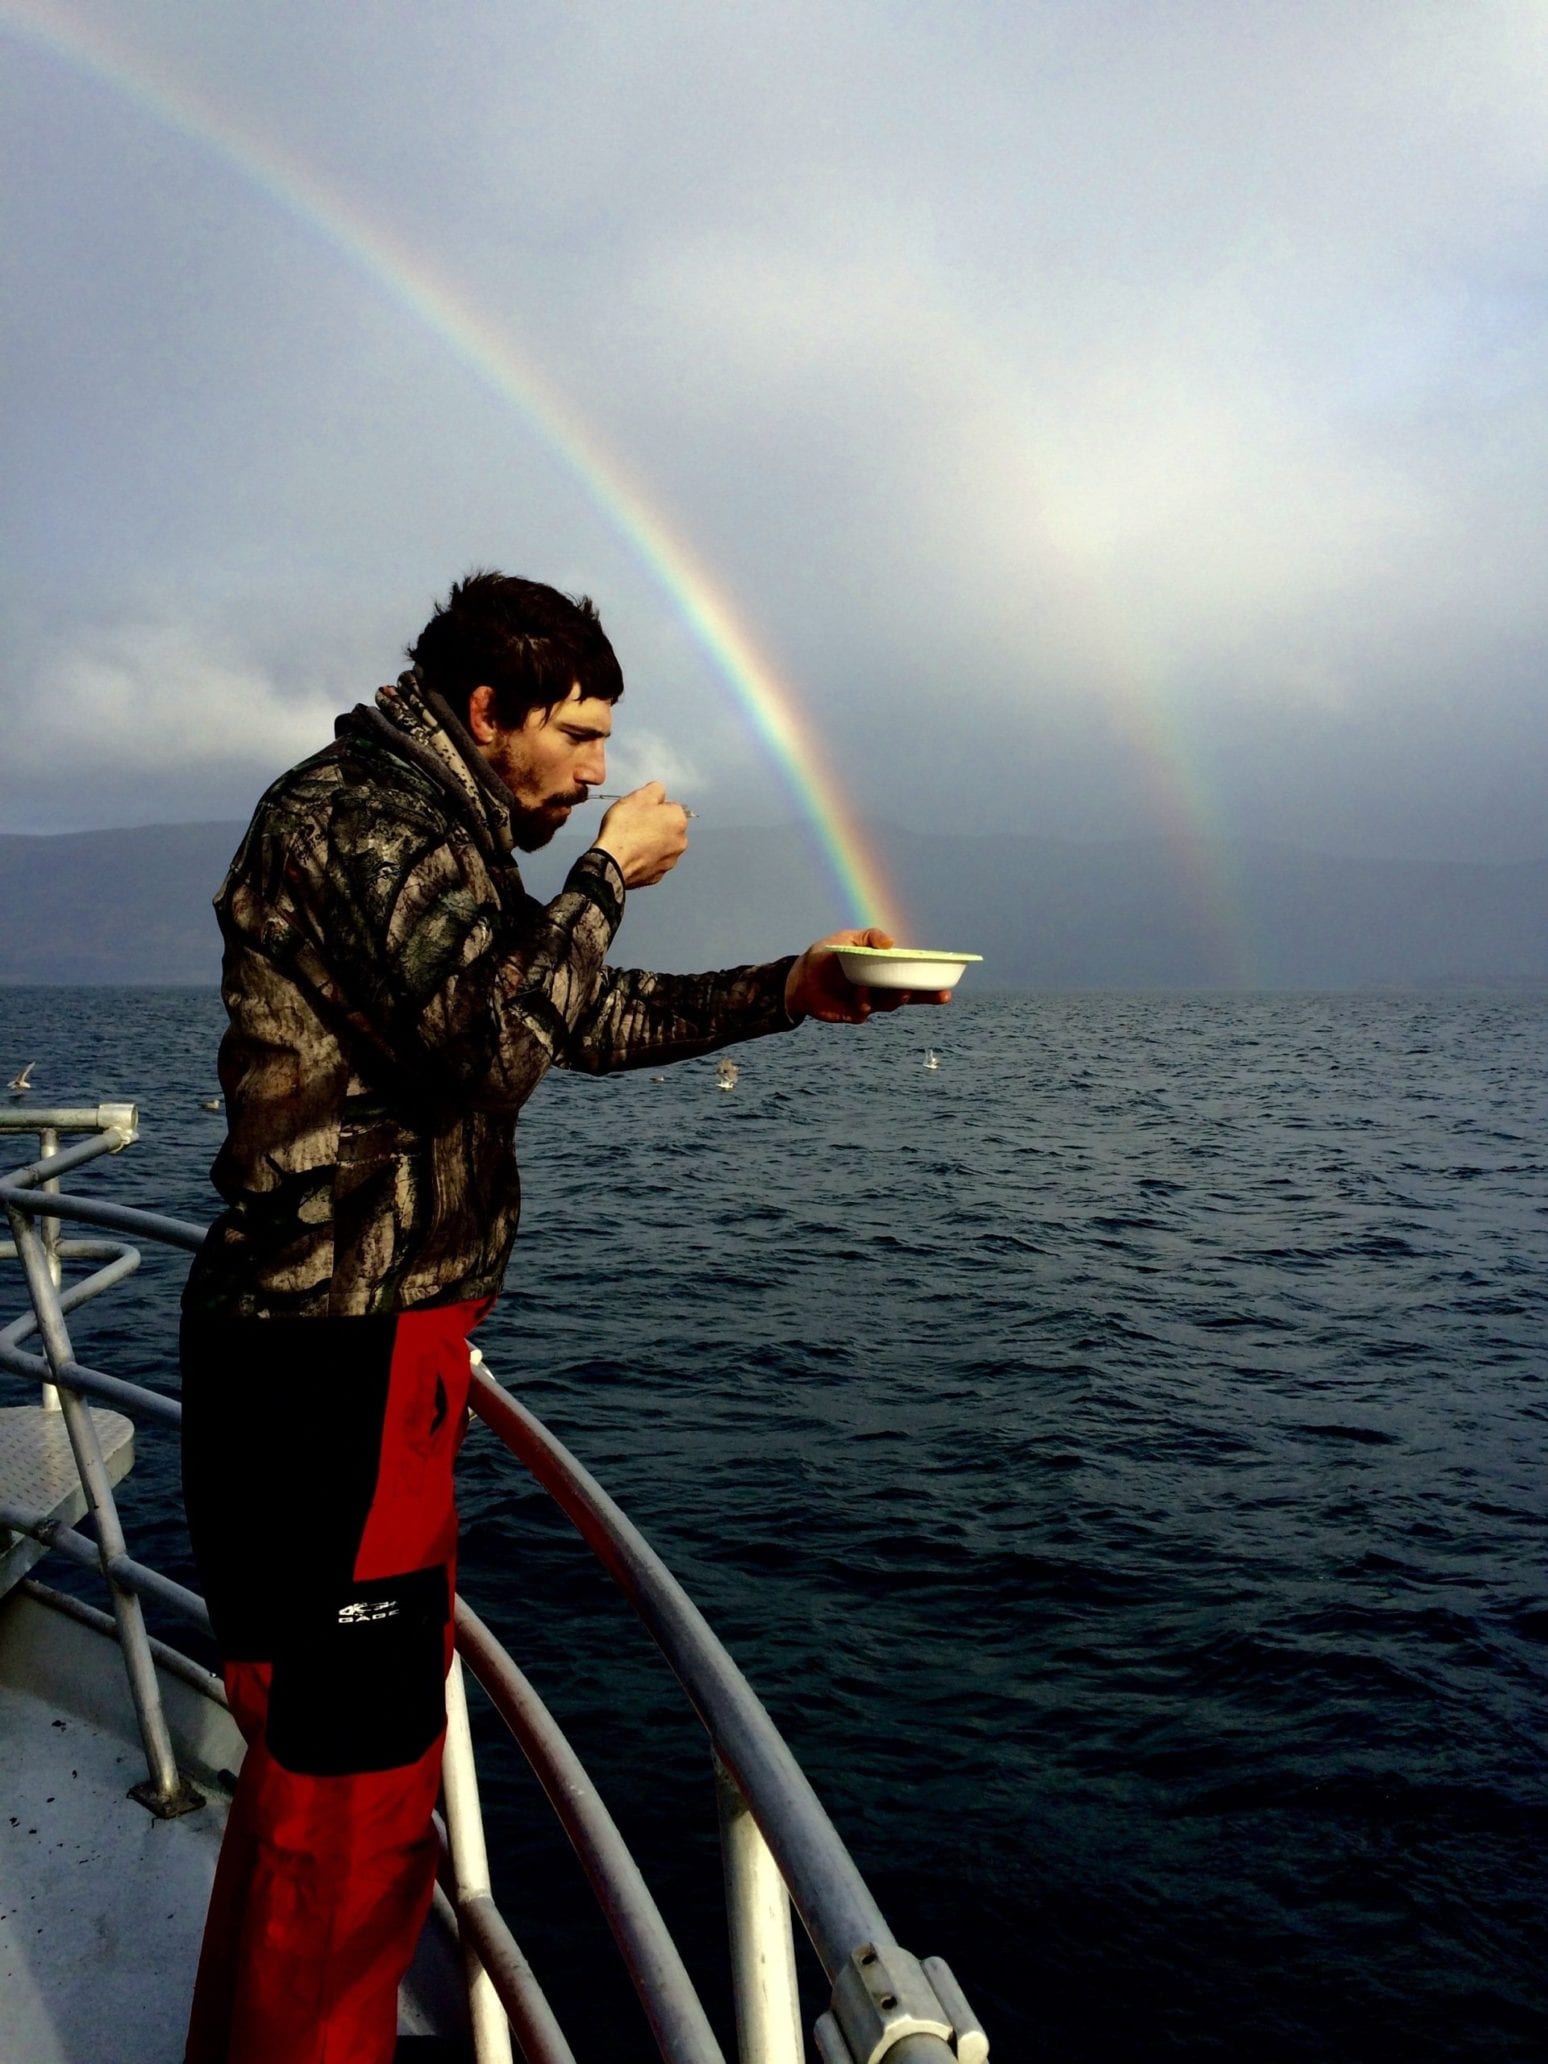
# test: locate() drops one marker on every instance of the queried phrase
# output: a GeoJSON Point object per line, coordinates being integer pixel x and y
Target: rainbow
{"type": "Point", "coordinates": [768, 701]}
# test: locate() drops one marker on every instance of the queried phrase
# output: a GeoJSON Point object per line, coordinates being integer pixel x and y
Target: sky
{"type": "Point", "coordinates": [1082, 420]}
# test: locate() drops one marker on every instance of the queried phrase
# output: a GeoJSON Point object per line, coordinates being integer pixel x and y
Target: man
{"type": "Point", "coordinates": [394, 997]}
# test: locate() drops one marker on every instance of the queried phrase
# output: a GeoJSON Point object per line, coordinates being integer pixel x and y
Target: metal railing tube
{"type": "Point", "coordinates": [171, 1660]}
{"type": "Point", "coordinates": [55, 1161]}
{"type": "Point", "coordinates": [972, 2042]}
{"type": "Point", "coordinates": [483, 1928]}
{"type": "Point", "coordinates": [122, 1570]}
{"type": "Point", "coordinates": [117, 1218]}
{"type": "Point", "coordinates": [470, 1866]}
{"type": "Point", "coordinates": [886, 2006]}
{"type": "Point", "coordinates": [919, 2049]}
{"type": "Point", "coordinates": [122, 1118]}
{"type": "Point", "coordinates": [48, 1152]}
{"type": "Point", "coordinates": [51, 1164]}
{"type": "Point", "coordinates": [830, 1895]}
{"type": "Point", "coordinates": [166, 1788]}
{"type": "Point", "coordinates": [150, 1583]}
{"type": "Point", "coordinates": [678, 2022]}
{"type": "Point", "coordinates": [763, 1971]}
{"type": "Point", "coordinates": [120, 1261]}
{"type": "Point", "coordinates": [110, 1390]}
{"type": "Point", "coordinates": [908, 2049]}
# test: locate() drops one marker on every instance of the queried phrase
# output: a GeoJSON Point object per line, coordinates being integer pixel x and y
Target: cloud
{"type": "Point", "coordinates": [176, 716]}
{"type": "Point", "coordinates": [1014, 370]}
{"type": "Point", "coordinates": [635, 757]}
{"type": "Point", "coordinates": [143, 696]}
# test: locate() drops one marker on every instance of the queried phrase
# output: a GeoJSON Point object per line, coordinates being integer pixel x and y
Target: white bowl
{"type": "Point", "coordinates": [902, 967]}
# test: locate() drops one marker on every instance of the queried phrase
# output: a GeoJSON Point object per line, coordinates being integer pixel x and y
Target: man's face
{"type": "Point", "coordinates": [548, 761]}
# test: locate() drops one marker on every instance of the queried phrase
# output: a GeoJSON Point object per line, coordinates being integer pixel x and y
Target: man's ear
{"type": "Point", "coordinates": [481, 709]}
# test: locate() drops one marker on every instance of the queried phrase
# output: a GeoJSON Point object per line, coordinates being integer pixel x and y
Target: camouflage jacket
{"type": "Point", "coordinates": [394, 997]}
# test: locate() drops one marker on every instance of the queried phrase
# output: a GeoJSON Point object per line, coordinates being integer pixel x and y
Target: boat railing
{"type": "Point", "coordinates": [779, 1849]}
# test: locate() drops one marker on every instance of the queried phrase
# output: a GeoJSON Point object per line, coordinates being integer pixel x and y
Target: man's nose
{"type": "Point", "coordinates": [592, 765]}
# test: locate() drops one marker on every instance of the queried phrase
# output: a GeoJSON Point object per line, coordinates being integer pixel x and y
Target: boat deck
{"type": "Point", "coordinates": [103, 1904]}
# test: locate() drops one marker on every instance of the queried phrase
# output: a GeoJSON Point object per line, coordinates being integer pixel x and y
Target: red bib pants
{"type": "Point", "coordinates": [317, 1472]}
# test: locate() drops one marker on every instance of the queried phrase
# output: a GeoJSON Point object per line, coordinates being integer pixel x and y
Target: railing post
{"type": "Point", "coordinates": [470, 1867]}
{"type": "Point", "coordinates": [763, 1972]}
{"type": "Point", "coordinates": [165, 1792]}
{"type": "Point", "coordinates": [48, 1147]}
{"type": "Point", "coordinates": [883, 1998]}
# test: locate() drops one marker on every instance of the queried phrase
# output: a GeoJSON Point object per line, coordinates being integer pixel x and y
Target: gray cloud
{"type": "Point", "coordinates": [1076, 403]}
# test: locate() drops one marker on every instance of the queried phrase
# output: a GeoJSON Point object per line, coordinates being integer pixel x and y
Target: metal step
{"type": "Point", "coordinates": [38, 1474]}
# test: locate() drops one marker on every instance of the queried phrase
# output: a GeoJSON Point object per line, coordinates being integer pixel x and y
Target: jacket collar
{"type": "Point", "coordinates": [423, 723]}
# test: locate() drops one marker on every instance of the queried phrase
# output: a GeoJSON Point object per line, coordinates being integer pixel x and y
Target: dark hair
{"type": "Point", "coordinates": [529, 643]}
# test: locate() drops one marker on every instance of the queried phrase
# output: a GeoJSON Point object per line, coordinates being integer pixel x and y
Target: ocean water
{"type": "Point", "coordinates": [1119, 1458]}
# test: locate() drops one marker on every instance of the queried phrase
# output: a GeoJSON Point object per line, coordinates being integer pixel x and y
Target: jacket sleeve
{"type": "Point", "coordinates": [433, 962]}
{"type": "Point", "coordinates": [460, 981]}
{"type": "Point", "coordinates": [640, 1019]}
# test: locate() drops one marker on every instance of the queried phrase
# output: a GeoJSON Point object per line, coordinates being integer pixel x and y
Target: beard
{"type": "Point", "coordinates": [534, 828]}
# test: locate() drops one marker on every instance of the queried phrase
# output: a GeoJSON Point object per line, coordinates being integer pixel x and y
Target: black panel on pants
{"type": "Point", "coordinates": [363, 1686]}
{"type": "Point", "coordinates": [282, 1433]}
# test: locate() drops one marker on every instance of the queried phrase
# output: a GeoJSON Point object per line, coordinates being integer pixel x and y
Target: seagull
{"type": "Point", "coordinates": [209, 1103]}
{"type": "Point", "coordinates": [22, 1082]}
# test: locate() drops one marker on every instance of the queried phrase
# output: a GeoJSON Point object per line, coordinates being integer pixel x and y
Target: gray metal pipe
{"type": "Point", "coordinates": [112, 1390]}
{"type": "Point", "coordinates": [109, 1390]}
{"type": "Point", "coordinates": [830, 1895]}
{"type": "Point", "coordinates": [121, 1262]}
{"type": "Point", "coordinates": [120, 1218]}
{"type": "Point", "coordinates": [484, 1930]}
{"type": "Point", "coordinates": [166, 1787]}
{"type": "Point", "coordinates": [49, 1142]}
{"type": "Point", "coordinates": [763, 1971]}
{"type": "Point", "coordinates": [168, 1659]}
{"type": "Point", "coordinates": [840, 1915]}
{"type": "Point", "coordinates": [468, 1856]}
{"type": "Point", "coordinates": [55, 1161]}
{"type": "Point", "coordinates": [122, 1570]}
{"type": "Point", "coordinates": [681, 2028]}
{"type": "Point", "coordinates": [489, 1945]}
{"type": "Point", "coordinates": [35, 1118]}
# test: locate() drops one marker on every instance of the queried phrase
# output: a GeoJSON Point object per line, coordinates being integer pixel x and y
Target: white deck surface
{"type": "Point", "coordinates": [101, 1904]}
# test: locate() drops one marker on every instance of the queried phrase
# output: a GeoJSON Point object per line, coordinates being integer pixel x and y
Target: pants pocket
{"type": "Point", "coordinates": [362, 1686]}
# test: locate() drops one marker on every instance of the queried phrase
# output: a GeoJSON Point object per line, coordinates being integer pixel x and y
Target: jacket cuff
{"type": "Point", "coordinates": [785, 1020]}
{"type": "Point", "coordinates": [598, 876]}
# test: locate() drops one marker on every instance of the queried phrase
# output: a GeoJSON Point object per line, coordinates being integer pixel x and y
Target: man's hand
{"type": "Point", "coordinates": [645, 834]}
{"type": "Point", "coordinates": [817, 987]}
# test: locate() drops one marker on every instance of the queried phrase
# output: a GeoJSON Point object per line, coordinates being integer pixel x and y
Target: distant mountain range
{"type": "Point", "coordinates": [134, 906]}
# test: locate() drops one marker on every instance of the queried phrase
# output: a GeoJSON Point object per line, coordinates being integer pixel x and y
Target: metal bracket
{"type": "Point", "coordinates": [969, 2039]}
{"type": "Point", "coordinates": [120, 1118]}
{"type": "Point", "coordinates": [883, 1995]}
{"type": "Point", "coordinates": [186, 1799]}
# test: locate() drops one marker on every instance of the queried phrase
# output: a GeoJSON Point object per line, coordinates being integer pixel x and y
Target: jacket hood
{"type": "Point", "coordinates": [422, 724]}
